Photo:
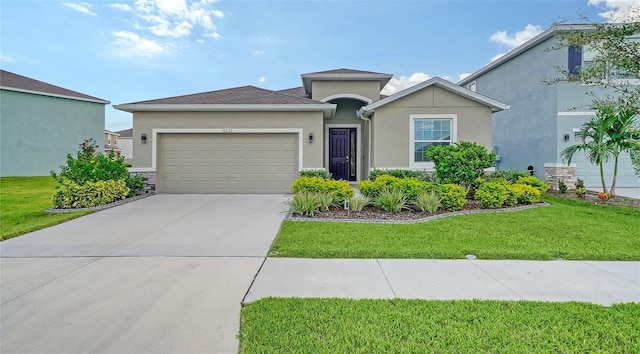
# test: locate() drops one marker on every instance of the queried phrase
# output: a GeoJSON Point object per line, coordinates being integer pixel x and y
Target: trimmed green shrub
{"type": "Point", "coordinates": [510, 175]}
{"type": "Point", "coordinates": [461, 163]}
{"type": "Point", "coordinates": [512, 196]}
{"type": "Point", "coordinates": [368, 188]}
{"type": "Point", "coordinates": [358, 202]}
{"type": "Point", "coordinates": [339, 190]}
{"type": "Point", "coordinates": [135, 183]}
{"type": "Point", "coordinates": [391, 200]}
{"type": "Point", "coordinates": [412, 187]}
{"type": "Point", "coordinates": [492, 195]}
{"type": "Point", "coordinates": [533, 181]}
{"type": "Point", "coordinates": [316, 173]}
{"type": "Point", "coordinates": [526, 194]}
{"type": "Point", "coordinates": [452, 196]}
{"type": "Point", "coordinates": [427, 202]}
{"type": "Point", "coordinates": [90, 194]}
{"type": "Point", "coordinates": [305, 203]}
{"type": "Point", "coordinates": [398, 173]}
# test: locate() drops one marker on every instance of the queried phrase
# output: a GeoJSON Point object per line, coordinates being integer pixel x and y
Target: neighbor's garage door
{"type": "Point", "coordinates": [227, 163]}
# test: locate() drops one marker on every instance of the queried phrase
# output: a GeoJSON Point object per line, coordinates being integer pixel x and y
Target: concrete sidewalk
{"type": "Point", "coordinates": [597, 282]}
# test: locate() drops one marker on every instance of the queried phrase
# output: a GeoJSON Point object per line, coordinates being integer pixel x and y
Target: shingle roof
{"type": "Point", "coordinates": [10, 80]}
{"type": "Point", "coordinates": [346, 71]}
{"type": "Point", "coordinates": [296, 92]}
{"type": "Point", "coordinates": [127, 133]}
{"type": "Point", "coordinates": [236, 95]}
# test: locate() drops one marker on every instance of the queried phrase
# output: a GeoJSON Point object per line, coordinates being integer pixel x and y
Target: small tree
{"type": "Point", "coordinates": [460, 163]}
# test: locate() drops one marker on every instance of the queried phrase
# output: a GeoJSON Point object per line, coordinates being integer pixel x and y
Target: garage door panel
{"type": "Point", "coordinates": [228, 163]}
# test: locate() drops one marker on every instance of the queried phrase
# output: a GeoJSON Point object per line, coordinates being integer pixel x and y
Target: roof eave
{"type": "Point", "coordinates": [308, 78]}
{"type": "Point", "coordinates": [327, 109]}
{"type": "Point", "coordinates": [96, 100]}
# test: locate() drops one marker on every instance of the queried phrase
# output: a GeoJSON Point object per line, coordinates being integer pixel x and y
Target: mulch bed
{"type": "Point", "coordinates": [592, 197]}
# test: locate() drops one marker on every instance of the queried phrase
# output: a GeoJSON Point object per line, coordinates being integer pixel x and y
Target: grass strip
{"type": "Point", "coordinates": [566, 229]}
{"type": "Point", "coordinates": [294, 325]}
{"type": "Point", "coordinates": [23, 202]}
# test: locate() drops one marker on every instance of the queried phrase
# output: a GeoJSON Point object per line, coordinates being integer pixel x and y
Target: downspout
{"type": "Point", "coordinates": [360, 114]}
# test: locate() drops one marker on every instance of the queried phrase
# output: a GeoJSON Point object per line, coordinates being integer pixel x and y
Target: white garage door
{"type": "Point", "coordinates": [591, 173]}
{"type": "Point", "coordinates": [227, 163]}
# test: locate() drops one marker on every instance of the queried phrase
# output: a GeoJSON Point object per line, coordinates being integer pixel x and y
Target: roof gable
{"type": "Point", "coordinates": [15, 82]}
{"type": "Point", "coordinates": [344, 75]}
{"type": "Point", "coordinates": [438, 82]}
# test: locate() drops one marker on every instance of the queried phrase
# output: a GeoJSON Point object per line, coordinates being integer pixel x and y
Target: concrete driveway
{"type": "Point", "coordinates": [162, 274]}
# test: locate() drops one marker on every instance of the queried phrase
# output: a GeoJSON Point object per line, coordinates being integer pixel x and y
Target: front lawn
{"type": "Point", "coordinates": [23, 201]}
{"type": "Point", "coordinates": [293, 325]}
{"type": "Point", "coordinates": [566, 229]}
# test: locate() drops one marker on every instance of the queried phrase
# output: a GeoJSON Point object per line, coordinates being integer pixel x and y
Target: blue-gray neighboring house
{"type": "Point", "coordinates": [41, 123]}
{"type": "Point", "coordinates": [542, 119]}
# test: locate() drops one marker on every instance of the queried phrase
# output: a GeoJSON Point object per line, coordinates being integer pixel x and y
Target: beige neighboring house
{"type": "Point", "coordinates": [111, 144]}
{"type": "Point", "coordinates": [125, 143]}
{"type": "Point", "coordinates": [252, 140]}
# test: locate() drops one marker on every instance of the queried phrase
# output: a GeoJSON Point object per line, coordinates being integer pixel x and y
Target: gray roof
{"type": "Point", "coordinates": [346, 71]}
{"type": "Point", "coordinates": [295, 91]}
{"type": "Point", "coordinates": [127, 133]}
{"type": "Point", "coordinates": [232, 96]}
{"type": "Point", "coordinates": [9, 81]}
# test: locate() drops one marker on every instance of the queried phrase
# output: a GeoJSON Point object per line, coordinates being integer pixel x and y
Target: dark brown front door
{"type": "Point", "coordinates": [342, 153]}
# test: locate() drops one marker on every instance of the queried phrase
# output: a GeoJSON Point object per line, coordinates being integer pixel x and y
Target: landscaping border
{"type": "Point", "coordinates": [414, 221]}
{"type": "Point", "coordinates": [101, 207]}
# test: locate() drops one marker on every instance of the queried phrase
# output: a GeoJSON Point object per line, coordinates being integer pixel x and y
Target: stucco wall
{"type": "Point", "coordinates": [37, 132]}
{"type": "Point", "coordinates": [391, 137]}
{"type": "Point", "coordinates": [323, 89]}
{"type": "Point", "coordinates": [310, 122]}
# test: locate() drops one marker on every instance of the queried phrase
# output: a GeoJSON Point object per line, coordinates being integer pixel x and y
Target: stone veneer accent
{"type": "Point", "coordinates": [560, 172]}
{"type": "Point", "coordinates": [149, 179]}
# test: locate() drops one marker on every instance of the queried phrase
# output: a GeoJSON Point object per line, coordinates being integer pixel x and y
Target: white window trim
{"type": "Point", "coordinates": [358, 145]}
{"type": "Point", "coordinates": [412, 118]}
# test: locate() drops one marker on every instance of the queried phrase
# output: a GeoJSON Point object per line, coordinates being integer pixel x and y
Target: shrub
{"type": "Point", "coordinates": [412, 187]}
{"type": "Point", "coordinates": [492, 195]}
{"type": "Point", "coordinates": [135, 183]}
{"type": "Point", "coordinates": [316, 173]}
{"type": "Point", "coordinates": [368, 188]}
{"type": "Point", "coordinates": [526, 194]}
{"type": "Point", "coordinates": [391, 200]}
{"type": "Point", "coordinates": [427, 202]}
{"type": "Point", "coordinates": [358, 202]}
{"type": "Point", "coordinates": [461, 163]}
{"type": "Point", "coordinates": [562, 186]}
{"type": "Point", "coordinates": [512, 196]}
{"type": "Point", "coordinates": [510, 175]}
{"type": "Point", "coordinates": [305, 203]}
{"type": "Point", "coordinates": [533, 181]}
{"type": "Point", "coordinates": [326, 201]}
{"type": "Point", "coordinates": [398, 173]}
{"type": "Point", "coordinates": [339, 190]}
{"type": "Point", "coordinates": [90, 194]}
{"type": "Point", "coordinates": [452, 196]}
{"type": "Point", "coordinates": [90, 166]}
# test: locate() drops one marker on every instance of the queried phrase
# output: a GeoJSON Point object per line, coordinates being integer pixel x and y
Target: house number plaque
{"type": "Point", "coordinates": [228, 130]}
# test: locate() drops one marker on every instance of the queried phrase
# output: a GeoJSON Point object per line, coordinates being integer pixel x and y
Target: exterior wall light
{"type": "Point", "coordinates": [310, 138]}
{"type": "Point", "coordinates": [143, 138]}
{"type": "Point", "coordinates": [566, 137]}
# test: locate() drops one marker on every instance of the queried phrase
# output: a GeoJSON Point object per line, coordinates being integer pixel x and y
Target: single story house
{"type": "Point", "coordinates": [251, 140]}
{"type": "Point", "coordinates": [42, 123]}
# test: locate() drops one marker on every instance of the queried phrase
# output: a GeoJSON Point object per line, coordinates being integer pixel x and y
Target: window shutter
{"type": "Point", "coordinates": [575, 59]}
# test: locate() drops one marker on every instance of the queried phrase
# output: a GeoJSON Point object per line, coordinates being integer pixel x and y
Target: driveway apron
{"type": "Point", "coordinates": [163, 274]}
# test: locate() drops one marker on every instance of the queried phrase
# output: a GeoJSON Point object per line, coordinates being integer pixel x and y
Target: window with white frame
{"type": "Point", "coordinates": [427, 130]}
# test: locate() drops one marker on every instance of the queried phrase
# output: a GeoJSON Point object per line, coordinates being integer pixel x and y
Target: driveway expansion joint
{"type": "Point", "coordinates": [386, 278]}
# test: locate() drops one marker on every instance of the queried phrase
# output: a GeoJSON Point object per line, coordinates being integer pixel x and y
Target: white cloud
{"type": "Point", "coordinates": [463, 76]}
{"type": "Point", "coordinates": [262, 79]}
{"type": "Point", "coordinates": [131, 45]}
{"type": "Point", "coordinates": [497, 56]}
{"type": "Point", "coordinates": [214, 35]}
{"type": "Point", "coordinates": [518, 38]}
{"type": "Point", "coordinates": [397, 85]}
{"type": "Point", "coordinates": [618, 10]}
{"type": "Point", "coordinates": [122, 7]}
{"type": "Point", "coordinates": [80, 7]}
{"type": "Point", "coordinates": [6, 59]}
{"type": "Point", "coordinates": [257, 52]}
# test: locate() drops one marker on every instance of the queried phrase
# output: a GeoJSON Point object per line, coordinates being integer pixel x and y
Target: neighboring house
{"type": "Point", "coordinates": [543, 118]}
{"type": "Point", "coordinates": [252, 140]}
{"type": "Point", "coordinates": [111, 144]}
{"type": "Point", "coordinates": [125, 143]}
{"type": "Point", "coordinates": [42, 123]}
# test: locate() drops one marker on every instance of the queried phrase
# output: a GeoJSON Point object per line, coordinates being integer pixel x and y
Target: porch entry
{"type": "Point", "coordinates": [342, 153]}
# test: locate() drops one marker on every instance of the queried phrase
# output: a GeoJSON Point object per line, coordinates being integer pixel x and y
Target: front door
{"type": "Point", "coordinates": [342, 153]}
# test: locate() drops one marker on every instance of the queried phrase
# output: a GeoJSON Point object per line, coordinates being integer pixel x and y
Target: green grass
{"type": "Point", "coordinates": [566, 229]}
{"type": "Point", "coordinates": [23, 201]}
{"type": "Point", "coordinates": [293, 325]}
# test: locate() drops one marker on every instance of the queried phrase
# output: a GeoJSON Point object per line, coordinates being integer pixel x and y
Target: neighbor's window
{"type": "Point", "coordinates": [429, 131]}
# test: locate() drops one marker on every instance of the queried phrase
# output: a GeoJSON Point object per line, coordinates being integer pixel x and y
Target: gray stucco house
{"type": "Point", "coordinates": [41, 123]}
{"type": "Point", "coordinates": [542, 119]}
{"type": "Point", "coordinates": [252, 140]}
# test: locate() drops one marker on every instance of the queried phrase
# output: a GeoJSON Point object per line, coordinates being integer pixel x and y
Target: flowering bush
{"type": "Point", "coordinates": [604, 196]}
{"type": "Point", "coordinates": [580, 189]}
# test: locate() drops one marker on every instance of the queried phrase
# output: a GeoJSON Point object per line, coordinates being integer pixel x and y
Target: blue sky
{"type": "Point", "coordinates": [127, 51]}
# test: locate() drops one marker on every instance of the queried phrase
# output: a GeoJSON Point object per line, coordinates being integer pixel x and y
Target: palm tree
{"type": "Point", "coordinates": [594, 137]}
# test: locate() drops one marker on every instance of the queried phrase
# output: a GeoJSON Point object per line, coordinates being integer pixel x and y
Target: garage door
{"type": "Point", "coordinates": [227, 163]}
{"type": "Point", "coordinates": [591, 173]}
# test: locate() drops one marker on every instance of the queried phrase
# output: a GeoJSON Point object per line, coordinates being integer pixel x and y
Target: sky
{"type": "Point", "coordinates": [127, 51]}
